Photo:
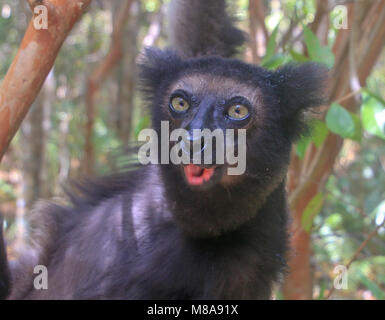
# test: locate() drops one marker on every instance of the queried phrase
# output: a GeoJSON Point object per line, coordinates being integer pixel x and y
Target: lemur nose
{"type": "Point", "coordinates": [193, 145]}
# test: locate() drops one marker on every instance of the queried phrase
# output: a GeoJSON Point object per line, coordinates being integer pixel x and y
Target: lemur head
{"type": "Point", "coordinates": [217, 93]}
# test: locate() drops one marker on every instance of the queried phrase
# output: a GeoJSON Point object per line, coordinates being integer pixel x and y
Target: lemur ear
{"type": "Point", "coordinates": [156, 65]}
{"type": "Point", "coordinates": [300, 87]}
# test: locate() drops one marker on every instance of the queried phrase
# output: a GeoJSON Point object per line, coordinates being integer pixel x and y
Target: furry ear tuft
{"type": "Point", "coordinates": [300, 88]}
{"type": "Point", "coordinates": [156, 65]}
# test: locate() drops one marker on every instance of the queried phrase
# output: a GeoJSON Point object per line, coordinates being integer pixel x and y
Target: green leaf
{"type": "Point", "coordinates": [311, 210]}
{"type": "Point", "coordinates": [275, 61]}
{"type": "Point", "coordinates": [317, 52]}
{"type": "Point", "coordinates": [373, 287]}
{"type": "Point", "coordinates": [341, 122]}
{"type": "Point", "coordinates": [373, 117]}
{"type": "Point", "coordinates": [271, 46]}
{"type": "Point", "coordinates": [322, 290]}
{"type": "Point", "coordinates": [319, 132]}
{"type": "Point", "coordinates": [374, 95]}
{"type": "Point", "coordinates": [357, 128]}
{"type": "Point", "coordinates": [301, 146]}
{"type": "Point", "coordinates": [299, 57]}
{"type": "Point", "coordinates": [6, 190]}
{"type": "Point", "coordinates": [334, 220]}
{"type": "Point", "coordinates": [318, 135]}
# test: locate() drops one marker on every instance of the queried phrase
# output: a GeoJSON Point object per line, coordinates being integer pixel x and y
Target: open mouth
{"type": "Point", "coordinates": [196, 175]}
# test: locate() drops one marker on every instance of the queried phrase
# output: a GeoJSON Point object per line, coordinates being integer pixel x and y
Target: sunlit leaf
{"type": "Point", "coordinates": [357, 128]}
{"type": "Point", "coordinates": [275, 61]}
{"type": "Point", "coordinates": [334, 220]}
{"type": "Point", "coordinates": [373, 117]}
{"type": "Point", "coordinates": [301, 146]}
{"type": "Point", "coordinates": [319, 132]}
{"type": "Point", "coordinates": [298, 57]}
{"type": "Point", "coordinates": [317, 52]}
{"type": "Point", "coordinates": [377, 292]}
{"type": "Point", "coordinates": [341, 122]}
{"type": "Point", "coordinates": [271, 46]}
{"type": "Point", "coordinates": [311, 210]}
{"type": "Point", "coordinates": [322, 290]}
{"type": "Point", "coordinates": [374, 95]}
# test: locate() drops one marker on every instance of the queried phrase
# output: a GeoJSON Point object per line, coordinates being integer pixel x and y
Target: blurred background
{"type": "Point", "coordinates": [89, 109]}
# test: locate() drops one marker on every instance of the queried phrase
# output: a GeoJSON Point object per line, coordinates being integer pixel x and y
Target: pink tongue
{"type": "Point", "coordinates": [196, 175]}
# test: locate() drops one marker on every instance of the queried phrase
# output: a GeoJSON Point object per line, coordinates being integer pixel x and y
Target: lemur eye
{"type": "Point", "coordinates": [179, 104]}
{"type": "Point", "coordinates": [238, 112]}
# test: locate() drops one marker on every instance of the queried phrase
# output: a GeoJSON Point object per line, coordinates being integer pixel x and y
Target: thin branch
{"type": "Point", "coordinates": [348, 96]}
{"type": "Point", "coordinates": [253, 30]}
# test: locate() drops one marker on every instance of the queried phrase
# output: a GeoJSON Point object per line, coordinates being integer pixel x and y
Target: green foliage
{"type": "Point", "coordinates": [317, 52]}
{"type": "Point", "coordinates": [319, 132]}
{"type": "Point", "coordinates": [8, 42]}
{"type": "Point", "coordinates": [6, 191]}
{"type": "Point", "coordinates": [373, 287]}
{"type": "Point", "coordinates": [276, 61]}
{"type": "Point", "coordinates": [273, 60]}
{"type": "Point", "coordinates": [323, 287]}
{"type": "Point", "coordinates": [151, 5]}
{"type": "Point", "coordinates": [311, 210]}
{"type": "Point", "coordinates": [298, 57]}
{"type": "Point", "coordinates": [334, 220]}
{"type": "Point", "coordinates": [357, 128]}
{"type": "Point", "coordinates": [301, 146]}
{"type": "Point", "coordinates": [342, 122]}
{"type": "Point", "coordinates": [373, 114]}
{"type": "Point", "coordinates": [271, 46]}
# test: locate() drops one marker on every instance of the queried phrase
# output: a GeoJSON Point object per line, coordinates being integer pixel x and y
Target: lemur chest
{"type": "Point", "coordinates": [181, 268]}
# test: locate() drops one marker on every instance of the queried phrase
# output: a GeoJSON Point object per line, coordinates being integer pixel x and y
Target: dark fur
{"type": "Point", "coordinates": [201, 27]}
{"type": "Point", "coordinates": [148, 235]}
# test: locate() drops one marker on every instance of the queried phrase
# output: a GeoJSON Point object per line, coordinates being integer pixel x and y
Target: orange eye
{"type": "Point", "coordinates": [238, 112]}
{"type": "Point", "coordinates": [179, 104]}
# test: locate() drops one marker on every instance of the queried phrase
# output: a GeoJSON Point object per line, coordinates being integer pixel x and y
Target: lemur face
{"type": "Point", "coordinates": [216, 94]}
{"type": "Point", "coordinates": [211, 104]}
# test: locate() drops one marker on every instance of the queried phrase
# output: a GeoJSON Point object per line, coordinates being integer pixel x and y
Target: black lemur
{"type": "Point", "coordinates": [184, 231]}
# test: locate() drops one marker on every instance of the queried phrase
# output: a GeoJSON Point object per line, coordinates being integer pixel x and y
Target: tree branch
{"type": "Point", "coordinates": [32, 63]}
{"type": "Point", "coordinates": [253, 30]}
